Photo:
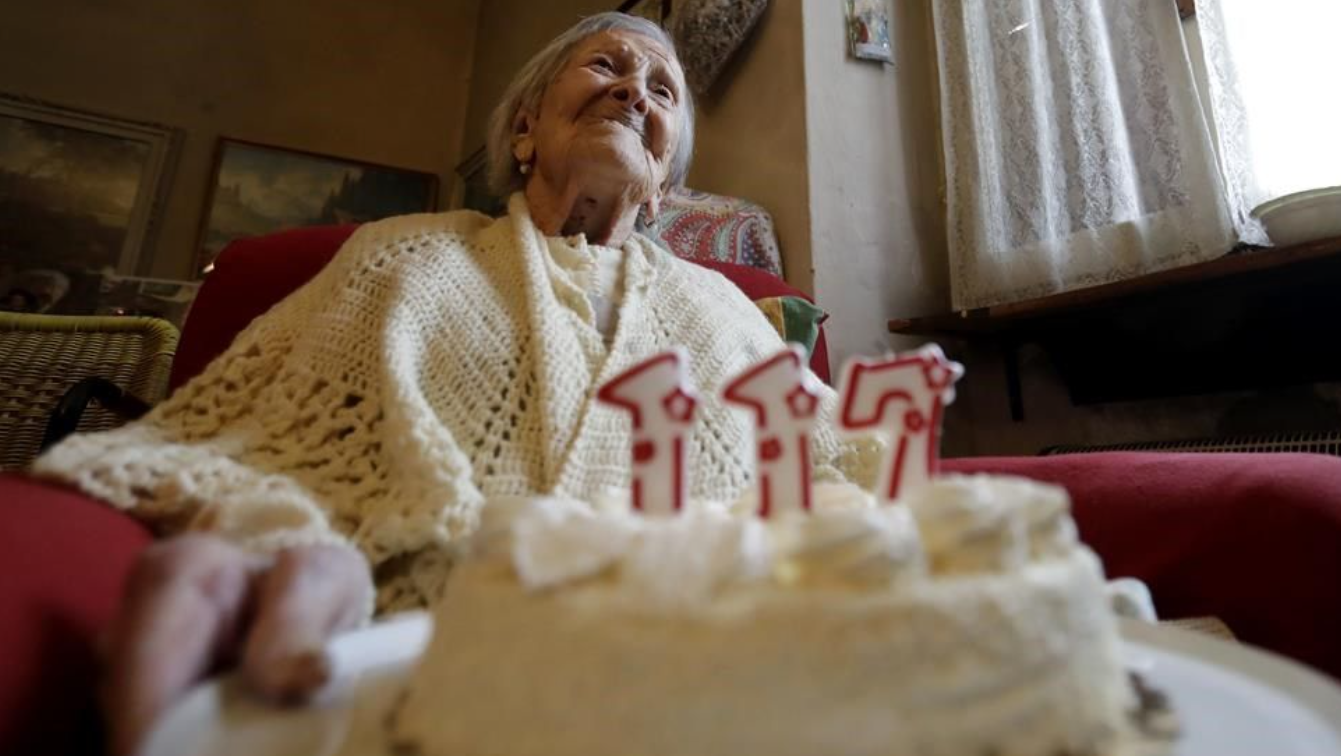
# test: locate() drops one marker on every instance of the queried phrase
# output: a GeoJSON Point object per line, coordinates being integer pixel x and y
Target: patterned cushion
{"type": "Point", "coordinates": [701, 226]}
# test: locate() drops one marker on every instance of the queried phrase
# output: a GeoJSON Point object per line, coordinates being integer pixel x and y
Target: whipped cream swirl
{"type": "Point", "coordinates": [967, 527]}
{"type": "Point", "coordinates": [956, 525]}
{"type": "Point", "coordinates": [859, 547]}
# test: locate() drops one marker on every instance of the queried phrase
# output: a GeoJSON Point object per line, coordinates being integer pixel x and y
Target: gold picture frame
{"type": "Point", "coordinates": [256, 189]}
{"type": "Point", "coordinates": [80, 189]}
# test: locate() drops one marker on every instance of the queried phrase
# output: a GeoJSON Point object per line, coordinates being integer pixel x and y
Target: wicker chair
{"type": "Point", "coordinates": [43, 356]}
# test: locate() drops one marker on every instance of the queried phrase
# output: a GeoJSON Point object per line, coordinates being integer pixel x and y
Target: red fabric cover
{"type": "Point", "coordinates": [700, 226]}
{"type": "Point", "coordinates": [1254, 539]}
{"type": "Point", "coordinates": [63, 558]}
{"type": "Point", "coordinates": [251, 275]}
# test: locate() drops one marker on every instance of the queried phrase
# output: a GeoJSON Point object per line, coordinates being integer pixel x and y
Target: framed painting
{"type": "Point", "coordinates": [868, 30]}
{"type": "Point", "coordinates": [79, 193]}
{"type": "Point", "coordinates": [657, 11]}
{"type": "Point", "coordinates": [258, 189]}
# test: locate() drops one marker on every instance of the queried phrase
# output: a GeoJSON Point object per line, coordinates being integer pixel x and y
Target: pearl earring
{"type": "Point", "coordinates": [525, 168]}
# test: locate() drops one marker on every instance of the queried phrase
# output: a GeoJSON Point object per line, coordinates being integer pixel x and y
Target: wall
{"type": "Point", "coordinates": [383, 82]}
{"type": "Point", "coordinates": [877, 224]}
{"type": "Point", "coordinates": [752, 134]}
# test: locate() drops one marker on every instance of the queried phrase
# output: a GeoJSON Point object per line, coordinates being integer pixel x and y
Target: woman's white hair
{"type": "Point", "coordinates": [528, 87]}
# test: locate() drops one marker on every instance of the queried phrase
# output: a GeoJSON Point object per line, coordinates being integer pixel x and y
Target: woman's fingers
{"type": "Point", "coordinates": [309, 595]}
{"type": "Point", "coordinates": [191, 600]}
{"type": "Point", "coordinates": [185, 603]}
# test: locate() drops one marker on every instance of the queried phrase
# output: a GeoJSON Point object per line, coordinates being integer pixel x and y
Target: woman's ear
{"type": "Point", "coordinates": [523, 145]}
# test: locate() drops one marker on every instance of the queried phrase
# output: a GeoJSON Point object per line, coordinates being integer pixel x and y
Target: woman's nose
{"type": "Point", "coordinates": [632, 94]}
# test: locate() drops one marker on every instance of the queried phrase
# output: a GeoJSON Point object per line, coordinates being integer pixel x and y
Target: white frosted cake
{"type": "Point", "coordinates": [966, 620]}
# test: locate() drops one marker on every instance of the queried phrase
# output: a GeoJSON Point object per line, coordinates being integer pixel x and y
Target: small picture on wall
{"type": "Point", "coordinates": [868, 30]}
{"type": "Point", "coordinates": [259, 189]}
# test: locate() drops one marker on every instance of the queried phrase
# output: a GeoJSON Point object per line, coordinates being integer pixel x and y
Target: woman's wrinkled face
{"type": "Point", "coordinates": [611, 115]}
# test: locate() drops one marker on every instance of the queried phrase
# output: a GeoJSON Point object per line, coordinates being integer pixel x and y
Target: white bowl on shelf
{"type": "Point", "coordinates": [1302, 216]}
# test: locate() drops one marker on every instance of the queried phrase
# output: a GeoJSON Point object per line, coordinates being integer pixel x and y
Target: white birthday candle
{"type": "Point", "coordinates": [780, 394]}
{"type": "Point", "coordinates": [661, 403]}
{"type": "Point", "coordinates": [904, 396]}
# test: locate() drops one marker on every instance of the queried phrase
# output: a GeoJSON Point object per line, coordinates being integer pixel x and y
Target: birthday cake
{"type": "Point", "coordinates": [962, 617]}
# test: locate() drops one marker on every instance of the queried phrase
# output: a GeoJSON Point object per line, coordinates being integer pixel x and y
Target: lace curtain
{"type": "Point", "coordinates": [1076, 149]}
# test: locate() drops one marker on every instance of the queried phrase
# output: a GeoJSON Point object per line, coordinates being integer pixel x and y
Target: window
{"type": "Point", "coordinates": [1284, 68]}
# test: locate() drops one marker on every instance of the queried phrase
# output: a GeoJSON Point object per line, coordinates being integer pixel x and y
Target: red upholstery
{"type": "Point", "coordinates": [1254, 539]}
{"type": "Point", "coordinates": [63, 557]}
{"type": "Point", "coordinates": [249, 277]}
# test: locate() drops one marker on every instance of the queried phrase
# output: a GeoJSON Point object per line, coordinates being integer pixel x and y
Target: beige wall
{"type": "Point", "coordinates": [752, 134]}
{"type": "Point", "coordinates": [877, 225]}
{"type": "Point", "coordinates": [383, 82]}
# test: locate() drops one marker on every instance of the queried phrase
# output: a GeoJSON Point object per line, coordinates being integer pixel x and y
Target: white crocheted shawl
{"type": "Point", "coordinates": [438, 360]}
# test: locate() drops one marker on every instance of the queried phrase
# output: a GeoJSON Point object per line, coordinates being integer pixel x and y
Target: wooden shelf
{"type": "Point", "coordinates": [1249, 320]}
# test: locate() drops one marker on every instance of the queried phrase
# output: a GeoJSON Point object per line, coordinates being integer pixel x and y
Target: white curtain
{"type": "Point", "coordinates": [1076, 149]}
{"type": "Point", "coordinates": [1274, 96]}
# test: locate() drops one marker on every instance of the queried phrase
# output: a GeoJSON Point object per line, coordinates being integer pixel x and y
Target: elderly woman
{"type": "Point", "coordinates": [323, 463]}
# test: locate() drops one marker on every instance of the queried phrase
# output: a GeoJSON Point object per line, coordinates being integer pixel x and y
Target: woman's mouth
{"type": "Point", "coordinates": [635, 123]}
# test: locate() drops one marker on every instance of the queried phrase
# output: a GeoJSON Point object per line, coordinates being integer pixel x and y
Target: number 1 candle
{"type": "Point", "coordinates": [780, 395]}
{"type": "Point", "coordinates": [657, 395]}
{"type": "Point", "coordinates": [905, 396]}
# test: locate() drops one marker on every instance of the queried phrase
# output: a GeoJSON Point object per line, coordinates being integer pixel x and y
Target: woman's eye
{"type": "Point", "coordinates": [664, 91]}
{"type": "Point", "coordinates": [603, 64]}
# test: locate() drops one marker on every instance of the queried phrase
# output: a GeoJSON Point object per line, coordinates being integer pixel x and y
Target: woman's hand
{"type": "Point", "coordinates": [195, 603]}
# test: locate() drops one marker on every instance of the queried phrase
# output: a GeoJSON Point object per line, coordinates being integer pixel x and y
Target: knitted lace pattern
{"type": "Point", "coordinates": [438, 360]}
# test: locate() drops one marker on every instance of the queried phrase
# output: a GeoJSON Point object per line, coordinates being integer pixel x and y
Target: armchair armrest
{"type": "Point", "coordinates": [1253, 539]}
{"type": "Point", "coordinates": [63, 560]}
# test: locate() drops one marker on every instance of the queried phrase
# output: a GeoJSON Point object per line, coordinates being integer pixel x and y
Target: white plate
{"type": "Point", "coordinates": [1231, 700]}
{"type": "Point", "coordinates": [370, 667]}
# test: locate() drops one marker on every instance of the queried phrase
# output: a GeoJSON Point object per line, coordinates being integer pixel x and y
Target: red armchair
{"type": "Point", "coordinates": [1252, 539]}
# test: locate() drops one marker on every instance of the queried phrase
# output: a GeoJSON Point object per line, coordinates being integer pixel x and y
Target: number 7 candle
{"type": "Point", "coordinates": [904, 396]}
{"type": "Point", "coordinates": [657, 395]}
{"type": "Point", "coordinates": [780, 395]}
